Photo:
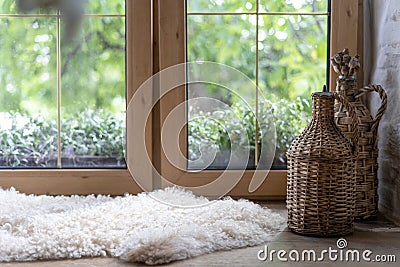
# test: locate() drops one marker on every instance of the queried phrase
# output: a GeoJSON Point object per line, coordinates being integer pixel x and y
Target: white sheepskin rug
{"type": "Point", "coordinates": [136, 228]}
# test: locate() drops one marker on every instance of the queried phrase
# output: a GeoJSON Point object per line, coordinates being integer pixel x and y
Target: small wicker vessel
{"type": "Point", "coordinates": [321, 173]}
{"type": "Point", "coordinates": [367, 164]}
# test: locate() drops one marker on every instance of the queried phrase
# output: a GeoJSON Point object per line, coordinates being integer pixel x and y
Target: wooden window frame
{"type": "Point", "coordinates": [139, 62]}
{"type": "Point", "coordinates": [156, 40]}
{"type": "Point", "coordinates": [346, 20]}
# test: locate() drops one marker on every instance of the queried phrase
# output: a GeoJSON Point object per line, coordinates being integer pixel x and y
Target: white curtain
{"type": "Point", "coordinates": [382, 66]}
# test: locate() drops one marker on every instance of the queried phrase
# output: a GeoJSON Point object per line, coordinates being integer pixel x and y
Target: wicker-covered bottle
{"type": "Point", "coordinates": [367, 164]}
{"type": "Point", "coordinates": [321, 173]}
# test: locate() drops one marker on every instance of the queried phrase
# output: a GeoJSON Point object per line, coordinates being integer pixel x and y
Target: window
{"type": "Point", "coordinates": [346, 21]}
{"type": "Point", "coordinates": [282, 46]}
{"type": "Point", "coordinates": [156, 40]}
{"type": "Point", "coordinates": [63, 98]}
{"type": "Point", "coordinates": [124, 23]}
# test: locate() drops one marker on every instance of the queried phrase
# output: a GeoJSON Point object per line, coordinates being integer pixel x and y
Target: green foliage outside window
{"type": "Point", "coordinates": [292, 64]}
{"type": "Point", "coordinates": [32, 141]}
{"type": "Point", "coordinates": [292, 61]}
{"type": "Point", "coordinates": [92, 79]}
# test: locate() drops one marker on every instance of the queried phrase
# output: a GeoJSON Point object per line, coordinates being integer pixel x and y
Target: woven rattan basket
{"type": "Point", "coordinates": [321, 173]}
{"type": "Point", "coordinates": [367, 164]}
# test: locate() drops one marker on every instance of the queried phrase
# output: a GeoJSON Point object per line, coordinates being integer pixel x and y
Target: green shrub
{"type": "Point", "coordinates": [99, 133]}
{"type": "Point", "coordinates": [210, 130]}
{"type": "Point", "coordinates": [289, 117]}
{"type": "Point", "coordinates": [26, 139]}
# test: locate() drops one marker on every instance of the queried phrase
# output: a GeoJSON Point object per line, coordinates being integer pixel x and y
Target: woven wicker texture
{"type": "Point", "coordinates": [367, 165]}
{"type": "Point", "coordinates": [321, 177]}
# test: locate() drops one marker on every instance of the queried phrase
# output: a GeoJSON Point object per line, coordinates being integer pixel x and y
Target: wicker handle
{"type": "Point", "coordinates": [354, 120]}
{"type": "Point", "coordinates": [382, 108]}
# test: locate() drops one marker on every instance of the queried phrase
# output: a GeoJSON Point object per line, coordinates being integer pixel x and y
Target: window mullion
{"type": "Point", "coordinates": [58, 53]}
{"type": "Point", "coordinates": [257, 65]}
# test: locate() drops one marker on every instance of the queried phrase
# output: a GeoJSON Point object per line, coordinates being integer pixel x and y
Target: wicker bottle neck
{"type": "Point", "coordinates": [322, 108]}
{"type": "Point", "coordinates": [347, 87]}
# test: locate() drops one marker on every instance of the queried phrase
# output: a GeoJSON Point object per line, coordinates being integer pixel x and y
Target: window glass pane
{"type": "Point", "coordinates": [215, 126]}
{"type": "Point", "coordinates": [28, 95]}
{"type": "Point", "coordinates": [10, 7]}
{"type": "Point", "coordinates": [221, 5]}
{"type": "Point", "coordinates": [116, 7]}
{"type": "Point", "coordinates": [93, 95]}
{"type": "Point", "coordinates": [224, 39]}
{"type": "Point", "coordinates": [292, 63]}
{"type": "Point", "coordinates": [294, 6]}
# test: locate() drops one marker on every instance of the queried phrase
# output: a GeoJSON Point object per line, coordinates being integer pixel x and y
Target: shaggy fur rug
{"type": "Point", "coordinates": [136, 228]}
